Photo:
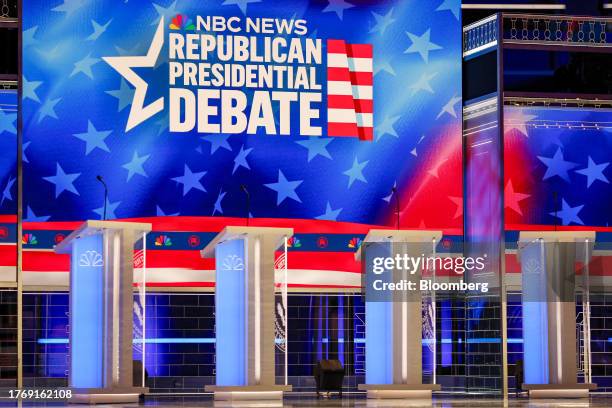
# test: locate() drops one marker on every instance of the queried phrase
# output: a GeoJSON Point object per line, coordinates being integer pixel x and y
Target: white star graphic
{"type": "Point", "coordinates": [123, 65]}
{"type": "Point", "coordinates": [517, 119]}
{"type": "Point", "coordinates": [450, 107]}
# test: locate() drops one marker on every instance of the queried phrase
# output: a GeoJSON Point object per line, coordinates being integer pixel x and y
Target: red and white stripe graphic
{"type": "Point", "coordinates": [350, 77]}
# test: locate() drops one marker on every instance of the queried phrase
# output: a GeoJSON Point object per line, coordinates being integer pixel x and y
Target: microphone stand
{"type": "Point", "coordinates": [101, 180]}
{"type": "Point", "coordinates": [397, 207]}
{"type": "Point", "coordinates": [248, 203]}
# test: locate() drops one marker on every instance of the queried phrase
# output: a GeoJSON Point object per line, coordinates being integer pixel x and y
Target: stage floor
{"type": "Point", "coordinates": [352, 401]}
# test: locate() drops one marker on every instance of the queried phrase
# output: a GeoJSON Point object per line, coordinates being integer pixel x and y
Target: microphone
{"type": "Point", "coordinates": [101, 180]}
{"type": "Point", "coordinates": [397, 206]}
{"type": "Point", "coordinates": [248, 202]}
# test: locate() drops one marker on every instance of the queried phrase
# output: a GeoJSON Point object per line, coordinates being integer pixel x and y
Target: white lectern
{"type": "Point", "coordinates": [394, 328]}
{"type": "Point", "coordinates": [244, 312]}
{"type": "Point", "coordinates": [548, 271]}
{"type": "Point", "coordinates": [101, 310]}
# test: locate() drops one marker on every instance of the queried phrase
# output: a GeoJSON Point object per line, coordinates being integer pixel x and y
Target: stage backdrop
{"type": "Point", "coordinates": [319, 108]}
{"type": "Point", "coordinates": [557, 166]}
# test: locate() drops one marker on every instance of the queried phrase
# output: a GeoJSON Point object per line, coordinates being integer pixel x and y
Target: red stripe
{"type": "Point", "coordinates": [56, 226]}
{"type": "Point", "coordinates": [216, 224]}
{"type": "Point", "coordinates": [45, 261]}
{"type": "Point", "coordinates": [338, 74]}
{"type": "Point", "coordinates": [189, 259]}
{"type": "Point", "coordinates": [361, 78]}
{"type": "Point", "coordinates": [336, 47]}
{"type": "Point", "coordinates": [181, 284]}
{"type": "Point", "coordinates": [305, 285]}
{"type": "Point", "coordinates": [360, 50]}
{"type": "Point", "coordinates": [364, 105]}
{"type": "Point", "coordinates": [342, 129]}
{"type": "Point", "coordinates": [340, 102]}
{"type": "Point", "coordinates": [539, 227]}
{"type": "Point", "coordinates": [366, 133]}
{"type": "Point", "coordinates": [8, 255]}
{"type": "Point", "coordinates": [347, 102]}
{"type": "Point", "coordinates": [212, 285]}
{"type": "Point", "coordinates": [355, 78]}
{"type": "Point", "coordinates": [9, 219]}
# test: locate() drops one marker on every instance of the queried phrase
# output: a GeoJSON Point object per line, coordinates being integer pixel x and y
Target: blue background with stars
{"type": "Point", "coordinates": [8, 147]}
{"type": "Point", "coordinates": [557, 166]}
{"type": "Point", "coordinates": [75, 108]}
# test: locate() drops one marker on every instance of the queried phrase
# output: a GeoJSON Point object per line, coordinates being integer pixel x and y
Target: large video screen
{"type": "Point", "coordinates": [8, 185]}
{"type": "Point", "coordinates": [319, 109]}
{"type": "Point", "coordinates": [557, 166]}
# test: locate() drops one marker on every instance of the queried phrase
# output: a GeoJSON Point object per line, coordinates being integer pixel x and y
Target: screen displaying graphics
{"type": "Point", "coordinates": [557, 168]}
{"type": "Point", "coordinates": [8, 184]}
{"type": "Point", "coordinates": [8, 158]}
{"type": "Point", "coordinates": [318, 108]}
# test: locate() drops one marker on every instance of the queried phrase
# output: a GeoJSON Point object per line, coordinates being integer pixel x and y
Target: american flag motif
{"type": "Point", "coordinates": [349, 90]}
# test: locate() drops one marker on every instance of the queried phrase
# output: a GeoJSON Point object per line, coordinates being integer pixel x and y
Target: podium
{"type": "Point", "coordinates": [101, 310]}
{"type": "Point", "coordinates": [548, 272]}
{"type": "Point", "coordinates": [394, 328]}
{"type": "Point", "coordinates": [244, 312]}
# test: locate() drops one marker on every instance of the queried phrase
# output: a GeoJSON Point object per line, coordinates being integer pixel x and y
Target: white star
{"type": "Point", "coordinates": [383, 65]}
{"type": "Point", "coordinates": [450, 107]}
{"type": "Point", "coordinates": [338, 7]}
{"type": "Point", "coordinates": [423, 83]}
{"type": "Point", "coordinates": [164, 12]}
{"type": "Point", "coordinates": [29, 89]}
{"type": "Point", "coordinates": [98, 30]}
{"type": "Point", "coordinates": [69, 6]}
{"type": "Point", "coordinates": [84, 66]}
{"type": "Point", "coordinates": [434, 170]}
{"type": "Point", "coordinates": [517, 119]}
{"type": "Point", "coordinates": [422, 45]}
{"type": "Point", "coordinates": [451, 5]}
{"type": "Point", "coordinates": [382, 22]}
{"type": "Point", "coordinates": [123, 65]}
{"type": "Point", "coordinates": [242, 4]}
{"type": "Point", "coordinates": [386, 127]}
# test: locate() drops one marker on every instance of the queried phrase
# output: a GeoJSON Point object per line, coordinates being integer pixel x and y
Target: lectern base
{"type": "Point", "coordinates": [540, 391]}
{"type": "Point", "coordinates": [106, 396]}
{"type": "Point", "coordinates": [248, 392]}
{"type": "Point", "coordinates": [399, 391]}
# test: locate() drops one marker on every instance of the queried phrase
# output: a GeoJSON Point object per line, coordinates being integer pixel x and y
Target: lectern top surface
{"type": "Point", "coordinates": [557, 236]}
{"type": "Point", "coordinates": [90, 227]}
{"type": "Point", "coordinates": [233, 232]}
{"type": "Point", "coordinates": [391, 235]}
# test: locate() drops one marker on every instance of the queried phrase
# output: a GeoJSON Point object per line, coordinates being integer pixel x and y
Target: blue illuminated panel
{"type": "Point", "coordinates": [379, 328]}
{"type": "Point", "coordinates": [230, 313]}
{"type": "Point", "coordinates": [86, 312]}
{"type": "Point", "coordinates": [535, 315]}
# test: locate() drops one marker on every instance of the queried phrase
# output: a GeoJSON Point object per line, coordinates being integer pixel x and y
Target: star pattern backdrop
{"type": "Point", "coordinates": [557, 166]}
{"type": "Point", "coordinates": [8, 147]}
{"type": "Point", "coordinates": [75, 107]}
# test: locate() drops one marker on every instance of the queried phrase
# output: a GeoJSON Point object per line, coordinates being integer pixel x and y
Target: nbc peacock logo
{"type": "Point", "coordinates": [29, 239]}
{"type": "Point", "coordinates": [182, 22]}
{"type": "Point", "coordinates": [163, 240]}
{"type": "Point", "coordinates": [355, 242]}
{"type": "Point", "coordinates": [293, 242]}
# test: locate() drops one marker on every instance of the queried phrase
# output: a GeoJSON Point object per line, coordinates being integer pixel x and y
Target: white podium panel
{"type": "Point", "coordinates": [548, 270]}
{"type": "Point", "coordinates": [394, 329]}
{"type": "Point", "coordinates": [101, 309]}
{"type": "Point", "coordinates": [244, 312]}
